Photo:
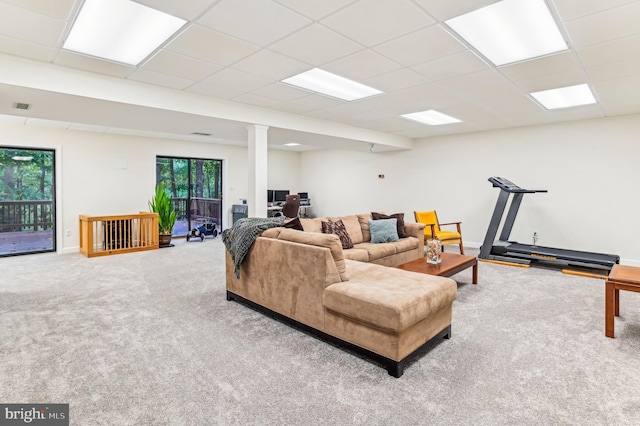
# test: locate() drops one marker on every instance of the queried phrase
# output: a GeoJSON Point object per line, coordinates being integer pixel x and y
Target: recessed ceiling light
{"type": "Point", "coordinates": [291, 144]}
{"type": "Point", "coordinates": [565, 97]}
{"type": "Point", "coordinates": [329, 84]}
{"type": "Point", "coordinates": [431, 117]}
{"type": "Point", "coordinates": [510, 31]}
{"type": "Point", "coordinates": [120, 30]}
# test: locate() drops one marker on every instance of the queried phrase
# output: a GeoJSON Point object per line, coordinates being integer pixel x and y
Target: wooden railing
{"type": "Point", "coordinates": [26, 215]}
{"type": "Point", "coordinates": [199, 208]}
{"type": "Point", "coordinates": [105, 235]}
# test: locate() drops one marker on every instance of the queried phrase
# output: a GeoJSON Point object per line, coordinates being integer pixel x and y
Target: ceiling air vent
{"type": "Point", "coordinates": [201, 134]}
{"type": "Point", "coordinates": [21, 105]}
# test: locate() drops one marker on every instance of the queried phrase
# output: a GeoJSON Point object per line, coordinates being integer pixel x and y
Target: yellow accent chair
{"type": "Point", "coordinates": [432, 230]}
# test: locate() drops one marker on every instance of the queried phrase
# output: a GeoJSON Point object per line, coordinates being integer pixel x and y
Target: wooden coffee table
{"type": "Point", "coordinates": [451, 264]}
{"type": "Point", "coordinates": [621, 277]}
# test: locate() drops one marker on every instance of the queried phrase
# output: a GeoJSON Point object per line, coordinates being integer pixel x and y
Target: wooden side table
{"type": "Point", "coordinates": [621, 277]}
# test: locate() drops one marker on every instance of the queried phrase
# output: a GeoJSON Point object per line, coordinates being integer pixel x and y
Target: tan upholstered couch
{"type": "Point", "coordinates": [387, 254]}
{"type": "Point", "coordinates": [305, 277]}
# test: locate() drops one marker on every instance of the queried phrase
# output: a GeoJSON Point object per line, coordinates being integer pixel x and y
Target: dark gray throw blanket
{"type": "Point", "coordinates": [240, 237]}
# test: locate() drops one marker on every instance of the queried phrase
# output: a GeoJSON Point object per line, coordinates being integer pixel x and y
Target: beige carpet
{"type": "Point", "coordinates": [149, 339]}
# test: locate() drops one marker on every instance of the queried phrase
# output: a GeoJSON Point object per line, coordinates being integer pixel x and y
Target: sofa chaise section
{"type": "Point", "coordinates": [302, 277]}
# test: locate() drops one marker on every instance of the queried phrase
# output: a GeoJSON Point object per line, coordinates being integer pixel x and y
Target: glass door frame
{"type": "Point", "coordinates": [54, 204]}
{"type": "Point", "coordinates": [191, 189]}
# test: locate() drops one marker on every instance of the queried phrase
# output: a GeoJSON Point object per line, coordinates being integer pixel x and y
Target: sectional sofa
{"type": "Point", "coordinates": [354, 297]}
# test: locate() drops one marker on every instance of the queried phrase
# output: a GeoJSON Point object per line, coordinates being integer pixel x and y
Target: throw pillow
{"type": "Point", "coordinates": [384, 230]}
{"type": "Point", "coordinates": [402, 233]}
{"type": "Point", "coordinates": [294, 224]}
{"type": "Point", "coordinates": [337, 227]}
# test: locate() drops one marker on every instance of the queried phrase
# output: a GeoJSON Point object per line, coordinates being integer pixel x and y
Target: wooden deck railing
{"type": "Point", "coordinates": [26, 215]}
{"type": "Point", "coordinates": [105, 235]}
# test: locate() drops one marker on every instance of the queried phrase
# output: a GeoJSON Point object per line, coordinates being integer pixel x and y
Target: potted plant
{"type": "Point", "coordinates": [162, 204]}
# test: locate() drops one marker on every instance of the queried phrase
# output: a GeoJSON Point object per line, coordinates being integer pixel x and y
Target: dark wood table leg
{"type": "Point", "coordinates": [610, 307]}
{"type": "Point", "coordinates": [474, 280]}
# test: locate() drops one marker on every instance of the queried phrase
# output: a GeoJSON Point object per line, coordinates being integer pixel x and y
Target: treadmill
{"type": "Point", "coordinates": [511, 252]}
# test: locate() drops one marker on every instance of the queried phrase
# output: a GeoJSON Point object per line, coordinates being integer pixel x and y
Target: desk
{"type": "Point", "coordinates": [621, 277]}
{"type": "Point", "coordinates": [272, 210]}
{"type": "Point", "coordinates": [303, 210]}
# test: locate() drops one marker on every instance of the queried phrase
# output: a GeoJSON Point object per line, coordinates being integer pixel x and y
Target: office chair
{"type": "Point", "coordinates": [291, 206]}
{"type": "Point", "coordinates": [432, 230]}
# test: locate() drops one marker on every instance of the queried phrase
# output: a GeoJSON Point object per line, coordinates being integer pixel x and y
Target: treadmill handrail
{"type": "Point", "coordinates": [507, 185]}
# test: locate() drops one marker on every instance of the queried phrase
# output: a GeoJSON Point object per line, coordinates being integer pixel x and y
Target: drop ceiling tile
{"type": "Point", "coordinates": [611, 51]}
{"type": "Point", "coordinates": [26, 49]}
{"type": "Point", "coordinates": [316, 45]}
{"type": "Point", "coordinates": [605, 26]}
{"type": "Point", "coordinates": [185, 9]}
{"type": "Point", "coordinates": [615, 70]}
{"type": "Point", "coordinates": [209, 45]}
{"type": "Point", "coordinates": [618, 89]}
{"type": "Point", "coordinates": [307, 103]}
{"type": "Point", "coordinates": [56, 9]}
{"type": "Point", "coordinates": [361, 65]}
{"type": "Point", "coordinates": [371, 22]}
{"type": "Point", "coordinates": [236, 79]}
{"type": "Point", "coordinates": [315, 9]}
{"type": "Point", "coordinates": [426, 95]}
{"type": "Point", "coordinates": [540, 67]}
{"type": "Point", "coordinates": [446, 9]}
{"type": "Point", "coordinates": [252, 99]}
{"type": "Point", "coordinates": [554, 81]}
{"type": "Point", "coordinates": [450, 66]}
{"type": "Point", "coordinates": [474, 81]}
{"type": "Point", "coordinates": [75, 60]}
{"type": "Point", "coordinates": [280, 92]}
{"type": "Point", "coordinates": [271, 65]}
{"type": "Point", "coordinates": [158, 79]}
{"type": "Point", "coordinates": [625, 106]}
{"type": "Point", "coordinates": [584, 112]}
{"type": "Point", "coordinates": [171, 63]}
{"type": "Point", "coordinates": [421, 46]}
{"type": "Point", "coordinates": [26, 25]}
{"type": "Point", "coordinates": [396, 80]}
{"type": "Point", "coordinates": [573, 9]}
{"type": "Point", "coordinates": [259, 22]}
{"type": "Point", "coordinates": [215, 91]}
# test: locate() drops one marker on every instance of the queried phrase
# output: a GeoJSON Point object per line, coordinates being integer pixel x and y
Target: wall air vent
{"type": "Point", "coordinates": [21, 105]}
{"type": "Point", "coordinates": [201, 134]}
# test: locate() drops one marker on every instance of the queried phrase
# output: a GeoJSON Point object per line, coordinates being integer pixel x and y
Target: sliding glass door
{"type": "Point", "coordinates": [196, 187]}
{"type": "Point", "coordinates": [27, 201]}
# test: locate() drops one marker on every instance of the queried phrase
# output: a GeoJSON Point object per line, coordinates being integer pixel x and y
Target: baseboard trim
{"type": "Point", "coordinates": [394, 368]}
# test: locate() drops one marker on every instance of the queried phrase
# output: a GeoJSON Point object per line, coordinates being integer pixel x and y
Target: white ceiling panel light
{"type": "Point", "coordinates": [431, 117]}
{"type": "Point", "coordinates": [120, 30]}
{"type": "Point", "coordinates": [510, 31]}
{"type": "Point", "coordinates": [333, 85]}
{"type": "Point", "coordinates": [565, 97]}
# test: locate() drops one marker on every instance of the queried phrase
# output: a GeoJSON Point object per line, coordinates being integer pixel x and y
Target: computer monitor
{"type": "Point", "coordinates": [303, 195]}
{"type": "Point", "coordinates": [280, 196]}
{"type": "Point", "coordinates": [269, 195]}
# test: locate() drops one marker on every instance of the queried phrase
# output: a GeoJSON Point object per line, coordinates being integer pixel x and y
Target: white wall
{"type": "Point", "coordinates": [90, 181]}
{"type": "Point", "coordinates": [589, 168]}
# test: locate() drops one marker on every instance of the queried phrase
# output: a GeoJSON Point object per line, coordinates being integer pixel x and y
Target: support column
{"type": "Point", "coordinates": [257, 196]}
